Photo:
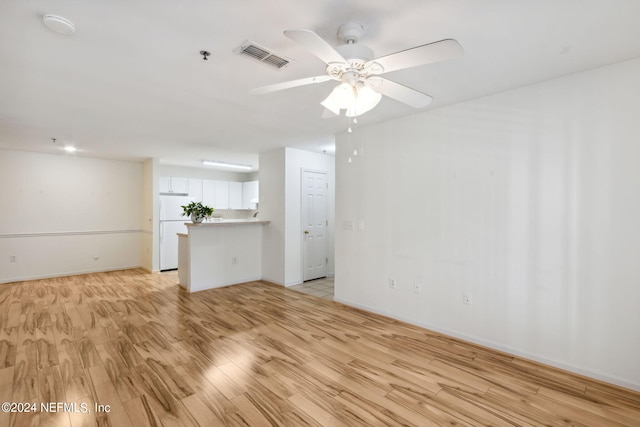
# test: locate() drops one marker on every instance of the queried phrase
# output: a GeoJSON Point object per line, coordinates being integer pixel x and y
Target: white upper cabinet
{"type": "Point", "coordinates": [216, 194]}
{"type": "Point", "coordinates": [179, 185]}
{"type": "Point", "coordinates": [250, 194]}
{"type": "Point", "coordinates": [209, 192]}
{"type": "Point", "coordinates": [174, 184]}
{"type": "Point", "coordinates": [195, 189]}
{"type": "Point", "coordinates": [235, 195]}
{"type": "Point", "coordinates": [222, 195]}
{"type": "Point", "coordinates": [165, 184]}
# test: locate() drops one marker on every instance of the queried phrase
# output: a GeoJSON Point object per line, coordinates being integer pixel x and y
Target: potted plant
{"type": "Point", "coordinates": [197, 211]}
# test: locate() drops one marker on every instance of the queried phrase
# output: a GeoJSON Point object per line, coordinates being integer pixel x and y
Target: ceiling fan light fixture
{"type": "Point", "coordinates": [357, 70]}
{"type": "Point", "coordinates": [330, 105]}
{"type": "Point", "coordinates": [366, 100]}
{"type": "Point", "coordinates": [343, 95]}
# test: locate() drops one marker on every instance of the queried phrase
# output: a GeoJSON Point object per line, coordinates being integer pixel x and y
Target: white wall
{"type": "Point", "coordinates": [527, 199]}
{"type": "Point", "coordinates": [149, 249]}
{"type": "Point", "coordinates": [204, 173]}
{"type": "Point", "coordinates": [280, 202]}
{"type": "Point", "coordinates": [64, 214]}
{"type": "Point", "coordinates": [296, 162]}
{"type": "Point", "coordinates": [272, 208]}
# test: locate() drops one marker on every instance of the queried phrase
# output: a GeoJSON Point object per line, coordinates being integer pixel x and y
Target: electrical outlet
{"type": "Point", "coordinates": [392, 283]}
{"type": "Point", "coordinates": [416, 287]}
{"type": "Point", "coordinates": [96, 257]}
{"type": "Point", "coordinates": [12, 258]}
{"type": "Point", "coordinates": [234, 260]}
{"type": "Point", "coordinates": [466, 298]}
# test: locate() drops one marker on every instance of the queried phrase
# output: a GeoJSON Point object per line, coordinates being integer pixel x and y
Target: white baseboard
{"type": "Point", "coordinates": [68, 273]}
{"type": "Point", "coordinates": [276, 282]}
{"type": "Point", "coordinates": [505, 349]}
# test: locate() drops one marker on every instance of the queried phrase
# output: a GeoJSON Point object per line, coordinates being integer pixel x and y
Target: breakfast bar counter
{"type": "Point", "coordinates": [220, 253]}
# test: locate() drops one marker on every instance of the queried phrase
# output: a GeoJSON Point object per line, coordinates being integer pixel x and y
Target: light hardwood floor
{"type": "Point", "coordinates": [257, 355]}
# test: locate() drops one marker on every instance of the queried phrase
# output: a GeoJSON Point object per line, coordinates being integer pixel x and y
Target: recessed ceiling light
{"type": "Point", "coordinates": [59, 24]}
{"type": "Point", "coordinates": [70, 149]}
{"type": "Point", "coordinates": [227, 164]}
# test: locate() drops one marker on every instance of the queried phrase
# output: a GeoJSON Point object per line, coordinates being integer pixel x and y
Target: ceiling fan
{"type": "Point", "coordinates": [354, 66]}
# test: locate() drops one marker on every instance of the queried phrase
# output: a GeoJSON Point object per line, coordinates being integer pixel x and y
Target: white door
{"type": "Point", "coordinates": [314, 224]}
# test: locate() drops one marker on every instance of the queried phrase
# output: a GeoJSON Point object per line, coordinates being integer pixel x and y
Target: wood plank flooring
{"type": "Point", "coordinates": [260, 355]}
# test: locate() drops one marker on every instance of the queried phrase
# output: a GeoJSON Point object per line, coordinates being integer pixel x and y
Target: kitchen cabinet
{"type": "Point", "coordinates": [174, 184]}
{"type": "Point", "coordinates": [222, 195]}
{"type": "Point", "coordinates": [235, 195]}
{"type": "Point", "coordinates": [165, 184]}
{"type": "Point", "coordinates": [217, 194]}
{"type": "Point", "coordinates": [250, 194]}
{"type": "Point", "coordinates": [195, 189]}
{"type": "Point", "coordinates": [209, 193]}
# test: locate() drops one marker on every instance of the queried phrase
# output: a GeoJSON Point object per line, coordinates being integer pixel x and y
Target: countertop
{"type": "Point", "coordinates": [228, 222]}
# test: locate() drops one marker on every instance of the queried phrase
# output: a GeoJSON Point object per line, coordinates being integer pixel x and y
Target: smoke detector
{"type": "Point", "coordinates": [59, 24]}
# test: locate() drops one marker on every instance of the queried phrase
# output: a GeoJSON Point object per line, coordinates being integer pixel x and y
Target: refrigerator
{"type": "Point", "coordinates": [171, 222]}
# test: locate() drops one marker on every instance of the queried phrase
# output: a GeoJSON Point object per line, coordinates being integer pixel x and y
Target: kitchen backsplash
{"type": "Point", "coordinates": [234, 214]}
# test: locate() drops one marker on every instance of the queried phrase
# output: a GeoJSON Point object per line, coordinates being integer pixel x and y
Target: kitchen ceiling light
{"type": "Point", "coordinates": [227, 164]}
{"type": "Point", "coordinates": [59, 24]}
{"type": "Point", "coordinates": [70, 149]}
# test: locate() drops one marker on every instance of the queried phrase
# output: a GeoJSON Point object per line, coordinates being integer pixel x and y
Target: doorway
{"type": "Point", "coordinates": [314, 224]}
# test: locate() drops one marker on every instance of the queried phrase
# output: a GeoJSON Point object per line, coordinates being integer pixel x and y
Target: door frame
{"type": "Point", "coordinates": [301, 231]}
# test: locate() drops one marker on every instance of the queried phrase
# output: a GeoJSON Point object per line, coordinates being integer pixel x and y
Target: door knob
{"type": "Point", "coordinates": [306, 231]}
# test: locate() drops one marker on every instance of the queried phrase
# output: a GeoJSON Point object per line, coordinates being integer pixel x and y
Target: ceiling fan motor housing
{"type": "Point", "coordinates": [351, 77]}
{"type": "Point", "coordinates": [355, 52]}
{"type": "Point", "coordinates": [350, 33]}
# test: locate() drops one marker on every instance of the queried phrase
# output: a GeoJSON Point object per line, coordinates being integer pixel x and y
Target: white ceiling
{"type": "Point", "coordinates": [131, 84]}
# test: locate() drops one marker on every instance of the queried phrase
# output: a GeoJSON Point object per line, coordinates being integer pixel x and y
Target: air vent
{"type": "Point", "coordinates": [262, 54]}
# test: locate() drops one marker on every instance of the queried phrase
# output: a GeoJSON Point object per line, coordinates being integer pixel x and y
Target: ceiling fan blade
{"type": "Point", "coordinates": [420, 55]}
{"type": "Point", "coordinates": [288, 85]}
{"type": "Point", "coordinates": [401, 93]}
{"type": "Point", "coordinates": [316, 45]}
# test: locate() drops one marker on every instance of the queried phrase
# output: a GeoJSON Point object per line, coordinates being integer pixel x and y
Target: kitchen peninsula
{"type": "Point", "coordinates": [220, 253]}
